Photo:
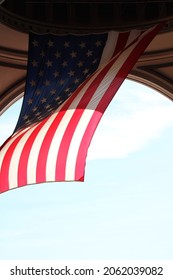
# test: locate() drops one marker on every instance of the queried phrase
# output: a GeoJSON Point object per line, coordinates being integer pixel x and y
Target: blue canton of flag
{"type": "Point", "coordinates": [57, 65]}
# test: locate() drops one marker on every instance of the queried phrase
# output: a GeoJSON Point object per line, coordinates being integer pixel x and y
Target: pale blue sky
{"type": "Point", "coordinates": [123, 210]}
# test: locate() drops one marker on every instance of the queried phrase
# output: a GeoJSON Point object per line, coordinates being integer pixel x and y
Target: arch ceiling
{"type": "Point", "coordinates": [154, 68]}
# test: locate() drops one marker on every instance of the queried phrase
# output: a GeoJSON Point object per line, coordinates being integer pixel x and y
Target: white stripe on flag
{"type": "Point", "coordinates": [109, 48]}
{"type": "Point", "coordinates": [75, 143]}
{"type": "Point", "coordinates": [33, 156]}
{"type": "Point", "coordinates": [14, 163]}
{"type": "Point", "coordinates": [133, 35]}
{"type": "Point", "coordinates": [55, 145]}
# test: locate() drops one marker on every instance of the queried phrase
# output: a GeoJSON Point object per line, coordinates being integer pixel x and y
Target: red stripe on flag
{"type": "Point", "coordinates": [23, 162]}
{"type": "Point", "coordinates": [4, 174]}
{"type": "Point", "coordinates": [64, 146]}
{"type": "Point", "coordinates": [44, 149]}
{"type": "Point", "coordinates": [85, 142]}
{"type": "Point", "coordinates": [121, 42]}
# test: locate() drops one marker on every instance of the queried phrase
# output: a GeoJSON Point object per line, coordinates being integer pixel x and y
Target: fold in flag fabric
{"type": "Point", "coordinates": [71, 79]}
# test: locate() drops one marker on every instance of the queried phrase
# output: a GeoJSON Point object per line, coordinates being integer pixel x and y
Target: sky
{"type": "Point", "coordinates": [123, 210]}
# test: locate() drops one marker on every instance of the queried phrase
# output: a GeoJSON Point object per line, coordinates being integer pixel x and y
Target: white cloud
{"type": "Point", "coordinates": [6, 130]}
{"type": "Point", "coordinates": [133, 120]}
{"type": "Point", "coordinates": [8, 121]}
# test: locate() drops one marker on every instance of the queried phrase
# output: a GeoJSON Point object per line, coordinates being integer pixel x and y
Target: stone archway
{"type": "Point", "coordinates": [154, 68]}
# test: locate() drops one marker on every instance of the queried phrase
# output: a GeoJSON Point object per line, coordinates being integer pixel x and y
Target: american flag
{"type": "Point", "coordinates": [71, 79]}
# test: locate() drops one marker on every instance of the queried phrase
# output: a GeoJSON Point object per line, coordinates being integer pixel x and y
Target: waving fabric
{"type": "Point", "coordinates": [71, 80]}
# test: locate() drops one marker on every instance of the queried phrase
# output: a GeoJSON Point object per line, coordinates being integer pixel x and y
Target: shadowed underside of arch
{"type": "Point", "coordinates": [154, 68]}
